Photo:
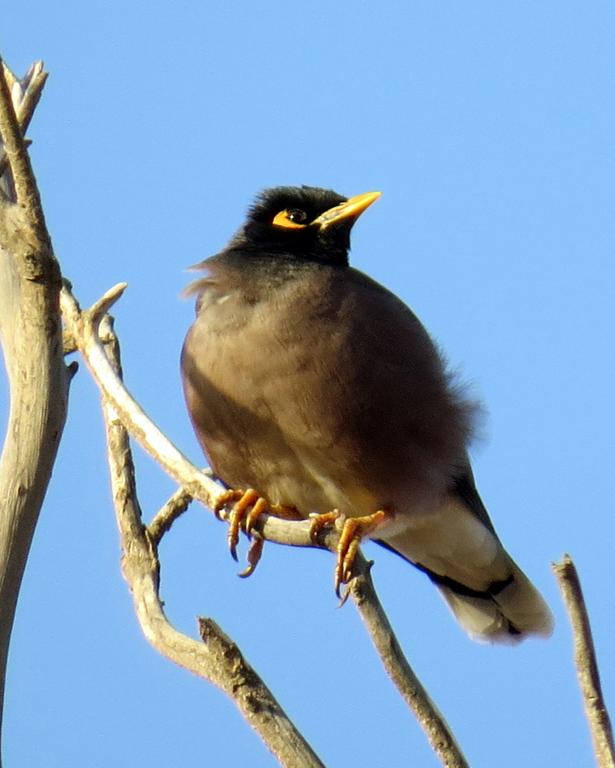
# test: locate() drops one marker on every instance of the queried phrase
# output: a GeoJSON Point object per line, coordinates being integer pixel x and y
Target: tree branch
{"type": "Point", "coordinates": [365, 597]}
{"type": "Point", "coordinates": [217, 659]}
{"type": "Point", "coordinates": [399, 670]}
{"type": "Point", "coordinates": [30, 334]}
{"type": "Point", "coordinates": [12, 96]}
{"type": "Point", "coordinates": [25, 95]}
{"type": "Point", "coordinates": [83, 328]}
{"type": "Point", "coordinates": [164, 519]}
{"type": "Point", "coordinates": [586, 663]}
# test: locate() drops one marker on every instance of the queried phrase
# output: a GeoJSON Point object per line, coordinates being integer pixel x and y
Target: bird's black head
{"type": "Point", "coordinates": [302, 222]}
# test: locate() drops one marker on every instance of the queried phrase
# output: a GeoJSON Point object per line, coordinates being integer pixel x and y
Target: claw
{"type": "Point", "coordinates": [244, 504]}
{"type": "Point", "coordinates": [248, 507]}
{"type": "Point", "coordinates": [223, 500]}
{"type": "Point", "coordinates": [320, 521]}
{"type": "Point", "coordinates": [254, 556]}
{"type": "Point", "coordinates": [354, 530]}
{"type": "Point", "coordinates": [343, 597]}
{"type": "Point", "coordinates": [258, 508]}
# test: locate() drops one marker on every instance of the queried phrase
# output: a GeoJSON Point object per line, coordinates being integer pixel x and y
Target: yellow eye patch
{"type": "Point", "coordinates": [291, 218]}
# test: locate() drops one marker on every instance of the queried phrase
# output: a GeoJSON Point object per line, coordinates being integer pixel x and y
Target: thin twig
{"type": "Point", "coordinates": [26, 189]}
{"type": "Point", "coordinates": [25, 94]}
{"type": "Point", "coordinates": [32, 89]}
{"type": "Point", "coordinates": [586, 663]}
{"type": "Point", "coordinates": [399, 670]}
{"type": "Point", "coordinates": [168, 514]}
{"type": "Point", "coordinates": [217, 659]}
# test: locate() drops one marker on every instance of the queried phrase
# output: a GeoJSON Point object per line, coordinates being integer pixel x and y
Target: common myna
{"type": "Point", "coordinates": [314, 389]}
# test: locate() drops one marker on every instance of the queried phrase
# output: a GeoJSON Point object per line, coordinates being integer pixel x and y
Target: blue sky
{"type": "Point", "coordinates": [489, 128]}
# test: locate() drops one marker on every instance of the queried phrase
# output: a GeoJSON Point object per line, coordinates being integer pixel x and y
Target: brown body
{"type": "Point", "coordinates": [315, 373]}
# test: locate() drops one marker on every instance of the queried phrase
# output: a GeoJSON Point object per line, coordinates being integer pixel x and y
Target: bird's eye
{"type": "Point", "coordinates": [297, 215]}
{"type": "Point", "coordinates": [291, 218]}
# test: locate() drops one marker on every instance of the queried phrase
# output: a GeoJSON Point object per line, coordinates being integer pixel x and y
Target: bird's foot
{"type": "Point", "coordinates": [353, 531]}
{"type": "Point", "coordinates": [248, 507]}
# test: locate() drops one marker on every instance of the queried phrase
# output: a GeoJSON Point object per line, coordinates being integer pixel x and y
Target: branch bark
{"type": "Point", "coordinates": [586, 663]}
{"type": "Point", "coordinates": [30, 334]}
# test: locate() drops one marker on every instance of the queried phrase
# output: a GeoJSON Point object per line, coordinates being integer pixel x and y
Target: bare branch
{"type": "Point", "coordinates": [25, 95]}
{"type": "Point", "coordinates": [217, 659]}
{"type": "Point", "coordinates": [164, 519]}
{"type": "Point", "coordinates": [26, 189]}
{"type": "Point", "coordinates": [30, 333]}
{"type": "Point", "coordinates": [586, 663]}
{"type": "Point", "coordinates": [401, 673]}
{"type": "Point", "coordinates": [26, 92]}
{"type": "Point", "coordinates": [100, 308]}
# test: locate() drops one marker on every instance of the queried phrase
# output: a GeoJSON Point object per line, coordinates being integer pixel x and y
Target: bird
{"type": "Point", "coordinates": [315, 392]}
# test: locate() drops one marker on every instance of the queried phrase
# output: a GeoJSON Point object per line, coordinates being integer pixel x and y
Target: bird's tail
{"type": "Point", "coordinates": [506, 612]}
{"type": "Point", "coordinates": [488, 593]}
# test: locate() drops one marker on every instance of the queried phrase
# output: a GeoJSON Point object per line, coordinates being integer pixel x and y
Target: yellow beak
{"type": "Point", "coordinates": [351, 209]}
